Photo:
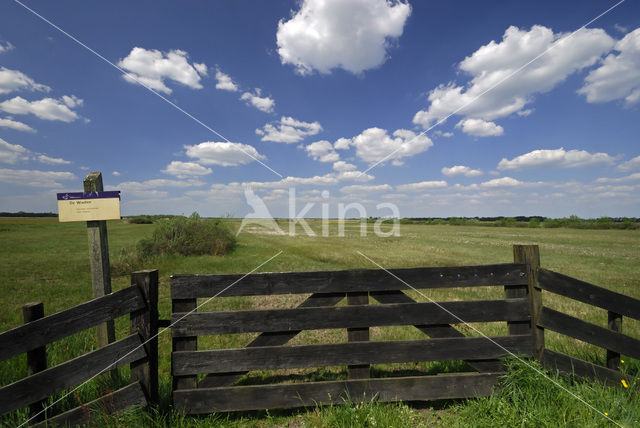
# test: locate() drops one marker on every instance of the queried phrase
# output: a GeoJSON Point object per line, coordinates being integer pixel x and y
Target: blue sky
{"type": "Point", "coordinates": [456, 108]}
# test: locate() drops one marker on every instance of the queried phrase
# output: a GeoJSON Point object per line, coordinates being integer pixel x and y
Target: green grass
{"type": "Point", "coordinates": [43, 260]}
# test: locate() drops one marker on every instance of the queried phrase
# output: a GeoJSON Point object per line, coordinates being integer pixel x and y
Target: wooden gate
{"type": "Point", "coordinates": [218, 390]}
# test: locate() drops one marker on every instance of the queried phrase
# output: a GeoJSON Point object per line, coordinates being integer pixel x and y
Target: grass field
{"type": "Point", "coordinates": [43, 260]}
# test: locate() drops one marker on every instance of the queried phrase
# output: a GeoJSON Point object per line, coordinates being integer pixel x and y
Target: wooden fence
{"type": "Point", "coordinates": [526, 287]}
{"type": "Point", "coordinates": [224, 367]}
{"type": "Point", "coordinates": [140, 301]}
{"type": "Point", "coordinates": [610, 338]}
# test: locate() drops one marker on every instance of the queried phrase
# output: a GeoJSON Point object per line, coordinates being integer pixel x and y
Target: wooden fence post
{"type": "Point", "coordinates": [36, 358]}
{"type": "Point", "coordinates": [358, 335]}
{"type": "Point", "coordinates": [184, 344]}
{"type": "Point", "coordinates": [530, 255]}
{"type": "Point", "coordinates": [99, 256]}
{"type": "Point", "coordinates": [145, 323]}
{"type": "Point", "coordinates": [615, 324]}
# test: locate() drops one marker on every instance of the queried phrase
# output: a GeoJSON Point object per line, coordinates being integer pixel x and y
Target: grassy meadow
{"type": "Point", "coordinates": [43, 260]}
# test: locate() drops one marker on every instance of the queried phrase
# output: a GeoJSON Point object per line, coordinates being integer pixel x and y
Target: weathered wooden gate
{"type": "Point", "coordinates": [224, 367]}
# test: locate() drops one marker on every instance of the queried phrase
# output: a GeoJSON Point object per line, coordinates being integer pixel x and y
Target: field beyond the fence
{"type": "Point", "coordinates": [43, 260]}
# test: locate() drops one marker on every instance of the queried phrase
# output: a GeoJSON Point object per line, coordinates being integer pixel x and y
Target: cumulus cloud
{"type": "Point", "coordinates": [480, 128]}
{"type": "Point", "coordinates": [375, 144]}
{"type": "Point", "coordinates": [322, 151]}
{"type": "Point", "coordinates": [265, 104]}
{"type": "Point", "coordinates": [288, 130]}
{"type": "Point", "coordinates": [11, 153]}
{"type": "Point", "coordinates": [8, 122]}
{"type": "Point", "coordinates": [52, 161]}
{"type": "Point", "coordinates": [343, 166]}
{"type": "Point", "coordinates": [35, 178]}
{"type": "Point", "coordinates": [225, 83]}
{"type": "Point", "coordinates": [46, 108]}
{"type": "Point", "coordinates": [557, 158]}
{"type": "Point", "coordinates": [354, 35]}
{"type": "Point", "coordinates": [186, 169]}
{"type": "Point", "coordinates": [632, 177]}
{"type": "Point", "coordinates": [423, 185]}
{"type": "Point", "coordinates": [153, 67]}
{"type": "Point", "coordinates": [618, 77]}
{"type": "Point", "coordinates": [493, 62]}
{"type": "Point", "coordinates": [503, 182]}
{"type": "Point", "coordinates": [223, 153]}
{"type": "Point", "coordinates": [14, 80]}
{"type": "Point", "coordinates": [630, 164]}
{"type": "Point", "coordinates": [461, 170]}
{"type": "Point", "coordinates": [363, 188]}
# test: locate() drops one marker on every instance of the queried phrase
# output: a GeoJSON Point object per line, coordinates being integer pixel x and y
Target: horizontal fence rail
{"type": "Point", "coordinates": [345, 281]}
{"type": "Point", "coordinates": [275, 320]}
{"type": "Point", "coordinates": [588, 293]}
{"type": "Point", "coordinates": [415, 388]}
{"type": "Point", "coordinates": [340, 354]}
{"type": "Point", "coordinates": [65, 323]}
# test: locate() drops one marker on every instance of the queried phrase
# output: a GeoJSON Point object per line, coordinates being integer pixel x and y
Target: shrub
{"type": "Point", "coordinates": [188, 236]}
{"type": "Point", "coordinates": [140, 219]}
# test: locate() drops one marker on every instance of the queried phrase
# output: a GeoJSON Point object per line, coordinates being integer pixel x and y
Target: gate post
{"type": "Point", "coordinates": [145, 323]}
{"type": "Point", "coordinates": [530, 255]}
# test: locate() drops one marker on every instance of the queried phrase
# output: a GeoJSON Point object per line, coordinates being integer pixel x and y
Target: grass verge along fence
{"type": "Point", "coordinates": [140, 301]}
{"type": "Point", "coordinates": [224, 367]}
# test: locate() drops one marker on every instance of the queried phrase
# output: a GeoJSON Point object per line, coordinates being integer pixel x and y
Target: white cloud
{"type": "Point", "coordinates": [152, 68]}
{"type": "Point", "coordinates": [265, 104]}
{"type": "Point", "coordinates": [225, 82]}
{"type": "Point", "coordinates": [116, 173]}
{"type": "Point", "coordinates": [139, 186]}
{"type": "Point", "coordinates": [351, 34]}
{"type": "Point", "coordinates": [630, 164]}
{"type": "Point", "coordinates": [557, 158]}
{"type": "Point", "coordinates": [423, 185]}
{"type": "Point", "coordinates": [14, 80]}
{"type": "Point", "coordinates": [34, 178]}
{"type": "Point", "coordinates": [322, 151]}
{"type": "Point", "coordinates": [46, 108]}
{"type": "Point", "coordinates": [618, 77]}
{"type": "Point", "coordinates": [461, 170]}
{"type": "Point", "coordinates": [493, 62]}
{"type": "Point", "coordinates": [288, 130]}
{"type": "Point", "coordinates": [52, 161]}
{"type": "Point", "coordinates": [13, 124]}
{"type": "Point", "coordinates": [374, 144]}
{"type": "Point", "coordinates": [201, 68]}
{"type": "Point", "coordinates": [343, 166]}
{"type": "Point", "coordinates": [6, 47]}
{"type": "Point", "coordinates": [503, 182]}
{"type": "Point", "coordinates": [186, 169]}
{"type": "Point", "coordinates": [11, 153]}
{"type": "Point", "coordinates": [480, 128]}
{"type": "Point", "coordinates": [631, 177]}
{"type": "Point", "coordinates": [363, 188]}
{"type": "Point", "coordinates": [223, 153]}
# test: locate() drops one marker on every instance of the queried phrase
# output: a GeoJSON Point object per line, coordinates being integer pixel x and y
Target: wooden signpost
{"type": "Point", "coordinates": [94, 206]}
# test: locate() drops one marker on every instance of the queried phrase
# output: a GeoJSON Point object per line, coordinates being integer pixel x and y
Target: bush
{"type": "Point", "coordinates": [140, 219]}
{"type": "Point", "coordinates": [188, 236]}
